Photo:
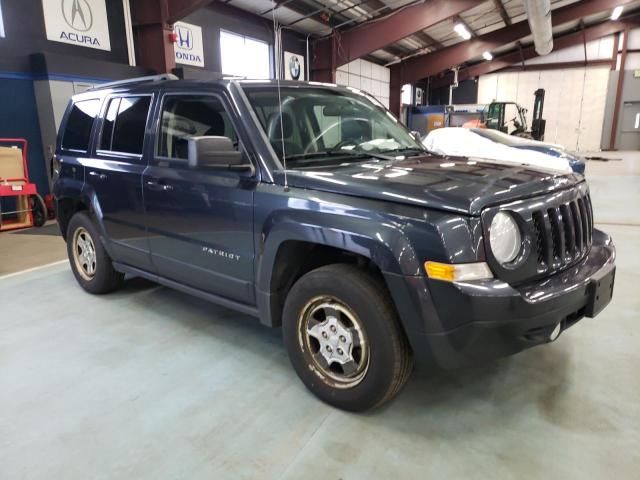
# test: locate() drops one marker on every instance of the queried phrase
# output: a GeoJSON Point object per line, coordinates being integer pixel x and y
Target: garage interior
{"type": "Point", "coordinates": [148, 382]}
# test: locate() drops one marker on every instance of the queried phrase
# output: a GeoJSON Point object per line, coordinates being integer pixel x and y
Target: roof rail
{"type": "Point", "coordinates": [131, 81]}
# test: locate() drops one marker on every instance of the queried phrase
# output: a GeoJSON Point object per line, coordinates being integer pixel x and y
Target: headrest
{"type": "Point", "coordinates": [202, 113]}
{"type": "Point", "coordinates": [280, 126]}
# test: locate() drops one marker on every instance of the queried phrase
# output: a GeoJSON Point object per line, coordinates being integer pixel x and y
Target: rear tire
{"type": "Point", "coordinates": [344, 338]}
{"type": "Point", "coordinates": [90, 263]}
{"type": "Point", "coordinates": [38, 210]}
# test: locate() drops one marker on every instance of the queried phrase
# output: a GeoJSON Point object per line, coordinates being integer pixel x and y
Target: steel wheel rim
{"type": "Point", "coordinates": [84, 253]}
{"type": "Point", "coordinates": [334, 341]}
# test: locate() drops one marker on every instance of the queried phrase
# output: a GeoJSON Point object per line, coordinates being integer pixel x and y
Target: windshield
{"type": "Point", "coordinates": [328, 125]}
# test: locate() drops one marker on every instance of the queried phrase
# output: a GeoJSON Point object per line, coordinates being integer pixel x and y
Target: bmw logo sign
{"type": "Point", "coordinates": [294, 67]}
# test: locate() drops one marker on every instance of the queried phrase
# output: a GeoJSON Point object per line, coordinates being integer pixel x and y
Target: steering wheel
{"type": "Point", "coordinates": [314, 142]}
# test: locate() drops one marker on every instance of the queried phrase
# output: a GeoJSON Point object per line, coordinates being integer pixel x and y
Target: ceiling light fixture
{"type": "Point", "coordinates": [487, 56]}
{"type": "Point", "coordinates": [617, 12]}
{"type": "Point", "coordinates": [462, 31]}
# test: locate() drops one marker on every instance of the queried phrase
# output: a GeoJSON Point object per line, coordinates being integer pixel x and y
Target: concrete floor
{"type": "Point", "coordinates": [24, 249]}
{"type": "Point", "coordinates": [151, 383]}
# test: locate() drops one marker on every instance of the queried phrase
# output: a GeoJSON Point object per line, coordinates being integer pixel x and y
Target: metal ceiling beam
{"type": "Point", "coordinates": [423, 66]}
{"type": "Point", "coordinates": [564, 41]}
{"type": "Point", "coordinates": [370, 36]}
{"type": "Point", "coordinates": [502, 11]}
{"type": "Point", "coordinates": [428, 40]}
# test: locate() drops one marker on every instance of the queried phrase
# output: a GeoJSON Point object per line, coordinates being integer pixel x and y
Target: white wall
{"type": "Point", "coordinates": [367, 76]}
{"type": "Point", "coordinates": [633, 59]}
{"type": "Point", "coordinates": [574, 105]}
{"type": "Point", "coordinates": [575, 98]}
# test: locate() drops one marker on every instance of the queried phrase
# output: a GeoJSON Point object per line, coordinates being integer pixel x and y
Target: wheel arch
{"type": "Point", "coordinates": [292, 248]}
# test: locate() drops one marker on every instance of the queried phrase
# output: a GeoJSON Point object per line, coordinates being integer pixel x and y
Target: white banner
{"type": "Point", "coordinates": [77, 22]}
{"type": "Point", "coordinates": [189, 47]}
{"type": "Point", "coordinates": [293, 66]}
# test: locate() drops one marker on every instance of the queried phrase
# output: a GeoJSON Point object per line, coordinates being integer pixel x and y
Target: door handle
{"type": "Point", "coordinates": [159, 187]}
{"type": "Point", "coordinates": [101, 176]}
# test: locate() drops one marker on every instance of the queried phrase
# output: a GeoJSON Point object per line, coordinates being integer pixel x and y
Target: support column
{"type": "Point", "coordinates": [395, 91]}
{"type": "Point", "coordinates": [323, 64]}
{"type": "Point", "coordinates": [618, 100]}
{"type": "Point", "coordinates": [151, 32]}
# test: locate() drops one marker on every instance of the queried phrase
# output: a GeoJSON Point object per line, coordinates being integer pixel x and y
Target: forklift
{"type": "Point", "coordinates": [497, 112]}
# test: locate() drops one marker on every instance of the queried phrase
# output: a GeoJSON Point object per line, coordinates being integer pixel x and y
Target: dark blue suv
{"type": "Point", "coordinates": [311, 207]}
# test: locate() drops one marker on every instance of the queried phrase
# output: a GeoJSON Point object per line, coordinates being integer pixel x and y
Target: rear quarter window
{"type": "Point", "coordinates": [124, 124]}
{"type": "Point", "coordinates": [77, 131]}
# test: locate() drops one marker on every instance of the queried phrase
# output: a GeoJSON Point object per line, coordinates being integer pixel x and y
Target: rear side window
{"type": "Point", "coordinates": [124, 125]}
{"type": "Point", "coordinates": [79, 123]}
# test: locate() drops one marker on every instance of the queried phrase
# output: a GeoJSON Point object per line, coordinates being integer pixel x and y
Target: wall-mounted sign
{"type": "Point", "coordinates": [189, 47]}
{"type": "Point", "coordinates": [1, 23]}
{"type": "Point", "coordinates": [636, 73]}
{"type": "Point", "coordinates": [77, 22]}
{"type": "Point", "coordinates": [293, 66]}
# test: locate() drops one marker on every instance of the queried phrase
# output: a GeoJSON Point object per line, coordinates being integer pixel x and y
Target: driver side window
{"type": "Point", "coordinates": [185, 116]}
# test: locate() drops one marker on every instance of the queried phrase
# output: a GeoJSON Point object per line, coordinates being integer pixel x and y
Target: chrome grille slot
{"type": "Point", "coordinates": [570, 229]}
{"type": "Point", "coordinates": [577, 224]}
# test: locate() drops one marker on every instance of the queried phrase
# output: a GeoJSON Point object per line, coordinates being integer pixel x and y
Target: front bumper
{"type": "Point", "coordinates": [456, 324]}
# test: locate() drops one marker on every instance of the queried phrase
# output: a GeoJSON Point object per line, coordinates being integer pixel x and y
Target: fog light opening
{"type": "Point", "coordinates": [556, 332]}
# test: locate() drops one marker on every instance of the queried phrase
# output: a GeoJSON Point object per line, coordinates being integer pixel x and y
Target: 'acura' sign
{"type": "Point", "coordinates": [77, 22]}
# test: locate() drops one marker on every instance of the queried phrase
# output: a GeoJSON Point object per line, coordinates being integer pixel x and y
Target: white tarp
{"type": "Point", "coordinates": [454, 141]}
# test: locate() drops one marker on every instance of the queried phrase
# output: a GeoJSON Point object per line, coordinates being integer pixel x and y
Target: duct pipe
{"type": "Point", "coordinates": [539, 16]}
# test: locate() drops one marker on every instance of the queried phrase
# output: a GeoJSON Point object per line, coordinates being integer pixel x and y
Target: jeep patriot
{"type": "Point", "coordinates": [311, 207]}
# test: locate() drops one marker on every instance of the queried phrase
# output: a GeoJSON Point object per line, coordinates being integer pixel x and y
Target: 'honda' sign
{"type": "Point", "coordinates": [188, 47]}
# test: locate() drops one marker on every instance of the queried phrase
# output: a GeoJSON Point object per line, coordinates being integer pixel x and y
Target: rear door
{"type": "Point", "coordinates": [114, 173]}
{"type": "Point", "coordinates": [200, 220]}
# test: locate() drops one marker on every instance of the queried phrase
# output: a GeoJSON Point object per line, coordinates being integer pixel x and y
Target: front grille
{"type": "Point", "coordinates": [556, 229]}
{"type": "Point", "coordinates": [563, 233]}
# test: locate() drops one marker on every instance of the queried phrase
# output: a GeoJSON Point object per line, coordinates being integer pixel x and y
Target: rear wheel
{"type": "Point", "coordinates": [344, 338]}
{"type": "Point", "coordinates": [38, 210]}
{"type": "Point", "coordinates": [90, 262]}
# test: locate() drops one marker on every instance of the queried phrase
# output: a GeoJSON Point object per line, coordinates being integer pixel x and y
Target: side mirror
{"type": "Point", "coordinates": [416, 135]}
{"type": "Point", "coordinates": [215, 152]}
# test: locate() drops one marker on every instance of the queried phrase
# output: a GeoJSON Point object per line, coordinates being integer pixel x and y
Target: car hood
{"type": "Point", "coordinates": [458, 184]}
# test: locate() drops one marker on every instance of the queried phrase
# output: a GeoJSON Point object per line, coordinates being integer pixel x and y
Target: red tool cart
{"type": "Point", "coordinates": [20, 204]}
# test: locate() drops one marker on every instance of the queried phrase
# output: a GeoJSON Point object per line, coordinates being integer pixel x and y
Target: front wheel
{"type": "Point", "coordinates": [344, 338]}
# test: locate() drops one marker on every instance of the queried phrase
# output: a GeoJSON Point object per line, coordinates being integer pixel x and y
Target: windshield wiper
{"type": "Point", "coordinates": [312, 156]}
{"type": "Point", "coordinates": [406, 150]}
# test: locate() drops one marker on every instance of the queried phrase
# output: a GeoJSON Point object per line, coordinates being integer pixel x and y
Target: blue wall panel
{"type": "Point", "coordinates": [19, 118]}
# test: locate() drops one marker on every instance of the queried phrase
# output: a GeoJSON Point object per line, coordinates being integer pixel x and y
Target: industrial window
{"type": "Point", "coordinates": [78, 129]}
{"type": "Point", "coordinates": [243, 56]}
{"type": "Point", "coordinates": [185, 116]}
{"type": "Point", "coordinates": [124, 125]}
{"type": "Point", "coordinates": [1, 22]}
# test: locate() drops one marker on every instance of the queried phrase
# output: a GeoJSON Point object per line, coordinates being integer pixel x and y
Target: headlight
{"type": "Point", "coordinates": [504, 238]}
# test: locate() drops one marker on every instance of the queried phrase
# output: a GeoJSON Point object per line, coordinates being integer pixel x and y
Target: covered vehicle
{"type": "Point", "coordinates": [576, 162]}
{"type": "Point", "coordinates": [498, 146]}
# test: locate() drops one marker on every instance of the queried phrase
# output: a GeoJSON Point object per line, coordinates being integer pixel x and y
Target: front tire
{"type": "Point", "coordinates": [90, 262]}
{"type": "Point", "coordinates": [344, 338]}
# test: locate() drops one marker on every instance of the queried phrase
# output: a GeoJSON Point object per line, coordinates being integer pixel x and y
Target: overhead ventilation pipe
{"type": "Point", "coordinates": [539, 16]}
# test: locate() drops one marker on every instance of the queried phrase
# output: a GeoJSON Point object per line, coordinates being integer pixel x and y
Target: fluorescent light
{"type": "Point", "coordinates": [617, 12]}
{"type": "Point", "coordinates": [487, 56]}
{"type": "Point", "coordinates": [462, 31]}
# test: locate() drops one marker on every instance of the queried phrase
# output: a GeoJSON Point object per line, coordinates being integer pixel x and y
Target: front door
{"type": "Point", "coordinates": [200, 221]}
{"type": "Point", "coordinates": [114, 173]}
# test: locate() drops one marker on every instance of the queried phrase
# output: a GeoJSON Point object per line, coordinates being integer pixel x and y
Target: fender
{"type": "Point", "coordinates": [382, 242]}
{"type": "Point", "coordinates": [89, 197]}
